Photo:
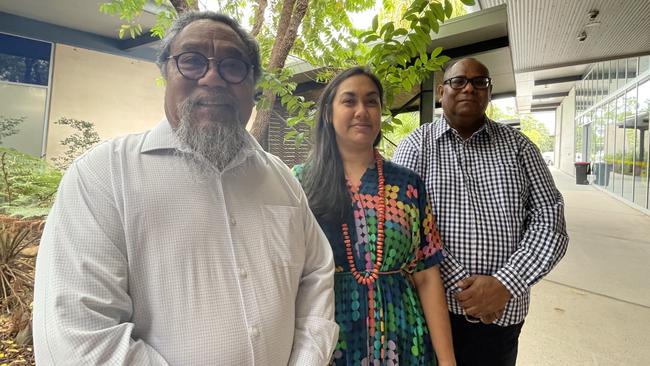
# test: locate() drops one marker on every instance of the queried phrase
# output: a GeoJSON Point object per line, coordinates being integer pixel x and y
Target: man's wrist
{"type": "Point", "coordinates": [512, 282]}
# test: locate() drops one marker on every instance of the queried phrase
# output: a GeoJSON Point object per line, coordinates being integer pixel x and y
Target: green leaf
{"type": "Point", "coordinates": [387, 28]}
{"type": "Point", "coordinates": [371, 38]}
{"type": "Point", "coordinates": [375, 23]}
{"type": "Point", "coordinates": [448, 9]}
{"type": "Point", "coordinates": [290, 135]}
{"type": "Point", "coordinates": [436, 52]}
{"type": "Point", "coordinates": [435, 27]}
{"type": "Point", "coordinates": [468, 2]}
{"type": "Point", "coordinates": [400, 32]}
{"type": "Point", "coordinates": [438, 11]}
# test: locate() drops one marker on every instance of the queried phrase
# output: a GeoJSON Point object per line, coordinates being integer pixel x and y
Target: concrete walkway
{"type": "Point", "coordinates": [594, 307]}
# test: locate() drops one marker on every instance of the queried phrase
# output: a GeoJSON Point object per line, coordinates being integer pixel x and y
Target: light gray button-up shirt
{"type": "Point", "coordinates": [142, 263]}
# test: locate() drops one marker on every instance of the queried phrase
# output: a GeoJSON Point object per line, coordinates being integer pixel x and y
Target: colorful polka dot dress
{"type": "Point", "coordinates": [396, 332]}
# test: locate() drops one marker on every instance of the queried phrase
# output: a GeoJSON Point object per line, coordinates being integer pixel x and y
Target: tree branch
{"type": "Point", "coordinates": [182, 6]}
{"type": "Point", "coordinates": [259, 17]}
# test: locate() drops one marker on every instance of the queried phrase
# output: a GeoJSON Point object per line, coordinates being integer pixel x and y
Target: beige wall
{"type": "Point", "coordinates": [565, 129]}
{"type": "Point", "coordinates": [118, 94]}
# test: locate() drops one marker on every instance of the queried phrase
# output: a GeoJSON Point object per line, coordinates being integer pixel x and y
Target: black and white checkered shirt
{"type": "Point", "coordinates": [496, 205]}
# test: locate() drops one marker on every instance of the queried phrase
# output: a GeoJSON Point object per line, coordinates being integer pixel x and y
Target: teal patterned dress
{"type": "Point", "coordinates": [396, 333]}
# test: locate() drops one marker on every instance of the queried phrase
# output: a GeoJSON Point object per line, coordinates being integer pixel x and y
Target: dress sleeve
{"type": "Point", "coordinates": [297, 172]}
{"type": "Point", "coordinates": [429, 251]}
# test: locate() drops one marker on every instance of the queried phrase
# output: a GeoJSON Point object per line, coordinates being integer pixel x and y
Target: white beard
{"type": "Point", "coordinates": [215, 144]}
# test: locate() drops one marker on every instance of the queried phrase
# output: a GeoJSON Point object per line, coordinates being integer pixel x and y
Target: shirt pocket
{"type": "Point", "coordinates": [284, 235]}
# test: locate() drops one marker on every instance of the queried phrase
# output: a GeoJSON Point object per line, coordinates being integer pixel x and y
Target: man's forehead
{"type": "Point", "coordinates": [466, 67]}
{"type": "Point", "coordinates": [204, 32]}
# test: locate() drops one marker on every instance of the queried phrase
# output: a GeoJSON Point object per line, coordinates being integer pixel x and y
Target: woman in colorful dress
{"type": "Point", "coordinates": [390, 303]}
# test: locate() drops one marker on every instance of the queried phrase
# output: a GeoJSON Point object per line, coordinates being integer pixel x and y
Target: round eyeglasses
{"type": "Point", "coordinates": [194, 66]}
{"type": "Point", "coordinates": [459, 82]}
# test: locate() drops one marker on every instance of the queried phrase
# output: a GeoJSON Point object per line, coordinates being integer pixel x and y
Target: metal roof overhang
{"type": "Point", "coordinates": [78, 23]}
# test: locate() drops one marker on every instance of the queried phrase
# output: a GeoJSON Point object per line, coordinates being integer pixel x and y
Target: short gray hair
{"type": "Point", "coordinates": [187, 18]}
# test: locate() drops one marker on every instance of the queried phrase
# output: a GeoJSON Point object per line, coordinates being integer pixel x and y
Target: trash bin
{"type": "Point", "coordinates": [601, 171]}
{"type": "Point", "coordinates": [582, 170]}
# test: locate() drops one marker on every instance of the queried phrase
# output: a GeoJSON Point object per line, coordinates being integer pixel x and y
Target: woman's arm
{"type": "Point", "coordinates": [434, 305]}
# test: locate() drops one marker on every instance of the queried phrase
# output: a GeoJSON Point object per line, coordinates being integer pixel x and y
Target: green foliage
{"type": "Point", "coordinates": [403, 125]}
{"type": "Point", "coordinates": [130, 12]}
{"type": "Point", "coordinates": [9, 126]}
{"type": "Point", "coordinates": [530, 126]}
{"type": "Point", "coordinates": [397, 51]}
{"type": "Point", "coordinates": [27, 184]}
{"type": "Point", "coordinates": [399, 55]}
{"type": "Point", "coordinates": [627, 164]}
{"type": "Point", "coordinates": [77, 143]}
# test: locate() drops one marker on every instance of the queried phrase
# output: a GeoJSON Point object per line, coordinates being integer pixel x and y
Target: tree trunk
{"type": "Point", "coordinates": [182, 6]}
{"type": "Point", "coordinates": [293, 11]}
{"type": "Point", "coordinates": [259, 17]}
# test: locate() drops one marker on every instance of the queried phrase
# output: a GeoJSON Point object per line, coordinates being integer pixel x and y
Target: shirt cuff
{"type": "Point", "coordinates": [314, 342]}
{"type": "Point", "coordinates": [512, 281]}
{"type": "Point", "coordinates": [452, 275]}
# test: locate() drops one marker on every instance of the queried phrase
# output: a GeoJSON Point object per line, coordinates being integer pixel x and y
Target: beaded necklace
{"type": "Point", "coordinates": [369, 277]}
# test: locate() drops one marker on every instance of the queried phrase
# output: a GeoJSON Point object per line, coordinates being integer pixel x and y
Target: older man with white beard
{"type": "Point", "coordinates": [187, 244]}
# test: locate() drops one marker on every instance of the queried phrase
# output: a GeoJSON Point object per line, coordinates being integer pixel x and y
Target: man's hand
{"type": "Point", "coordinates": [491, 318]}
{"type": "Point", "coordinates": [483, 297]}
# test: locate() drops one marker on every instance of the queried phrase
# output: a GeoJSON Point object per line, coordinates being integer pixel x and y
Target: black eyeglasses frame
{"type": "Point", "coordinates": [469, 80]}
{"type": "Point", "coordinates": [249, 67]}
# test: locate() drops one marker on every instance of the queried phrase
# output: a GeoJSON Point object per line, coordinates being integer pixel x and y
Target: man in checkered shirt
{"type": "Point", "coordinates": [500, 216]}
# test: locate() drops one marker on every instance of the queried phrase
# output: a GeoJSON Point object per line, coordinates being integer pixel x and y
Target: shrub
{"type": "Point", "coordinates": [27, 184]}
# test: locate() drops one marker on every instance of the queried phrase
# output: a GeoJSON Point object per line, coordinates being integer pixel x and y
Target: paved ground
{"type": "Point", "coordinates": [594, 308]}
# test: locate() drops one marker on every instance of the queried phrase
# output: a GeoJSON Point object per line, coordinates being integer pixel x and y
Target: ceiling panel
{"type": "Point", "coordinates": [81, 15]}
{"type": "Point", "coordinates": [543, 34]}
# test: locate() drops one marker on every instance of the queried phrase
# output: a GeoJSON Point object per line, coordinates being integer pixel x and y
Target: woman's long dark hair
{"type": "Point", "coordinates": [324, 177]}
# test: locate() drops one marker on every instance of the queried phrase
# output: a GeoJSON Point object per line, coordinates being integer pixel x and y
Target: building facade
{"type": "Point", "coordinates": [611, 105]}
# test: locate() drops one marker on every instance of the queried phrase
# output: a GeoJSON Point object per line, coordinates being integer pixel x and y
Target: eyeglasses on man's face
{"type": "Point", "coordinates": [459, 82]}
{"type": "Point", "coordinates": [194, 66]}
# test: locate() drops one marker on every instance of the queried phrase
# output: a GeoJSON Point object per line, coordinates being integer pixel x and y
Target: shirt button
{"type": "Point", "coordinates": [255, 332]}
{"type": "Point", "coordinates": [233, 222]}
{"type": "Point", "coordinates": [243, 273]}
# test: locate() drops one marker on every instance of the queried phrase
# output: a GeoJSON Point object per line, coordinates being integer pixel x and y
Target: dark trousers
{"type": "Point", "coordinates": [478, 344]}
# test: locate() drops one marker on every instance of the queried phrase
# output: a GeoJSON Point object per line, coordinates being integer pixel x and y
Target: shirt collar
{"type": "Point", "coordinates": [162, 137]}
{"type": "Point", "coordinates": [442, 127]}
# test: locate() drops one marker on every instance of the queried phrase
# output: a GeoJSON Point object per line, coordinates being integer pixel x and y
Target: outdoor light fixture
{"type": "Point", "coordinates": [582, 36]}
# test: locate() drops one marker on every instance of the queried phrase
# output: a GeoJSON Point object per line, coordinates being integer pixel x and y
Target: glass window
{"type": "Point", "coordinates": [598, 164]}
{"type": "Point", "coordinates": [610, 157]}
{"type": "Point", "coordinates": [620, 73]}
{"type": "Point", "coordinates": [641, 188]}
{"type": "Point", "coordinates": [606, 80]}
{"type": "Point", "coordinates": [598, 87]}
{"type": "Point", "coordinates": [612, 76]}
{"type": "Point", "coordinates": [590, 89]}
{"type": "Point", "coordinates": [24, 78]}
{"type": "Point", "coordinates": [620, 144]}
{"type": "Point", "coordinates": [631, 69]}
{"type": "Point", "coordinates": [27, 104]}
{"type": "Point", "coordinates": [644, 64]}
{"type": "Point", "coordinates": [578, 140]}
{"type": "Point", "coordinates": [24, 60]}
{"type": "Point", "coordinates": [630, 168]}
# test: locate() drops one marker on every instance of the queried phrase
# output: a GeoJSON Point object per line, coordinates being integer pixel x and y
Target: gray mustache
{"type": "Point", "coordinates": [192, 102]}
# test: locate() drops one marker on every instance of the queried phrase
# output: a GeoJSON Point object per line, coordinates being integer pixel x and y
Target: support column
{"type": "Point", "coordinates": [427, 99]}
